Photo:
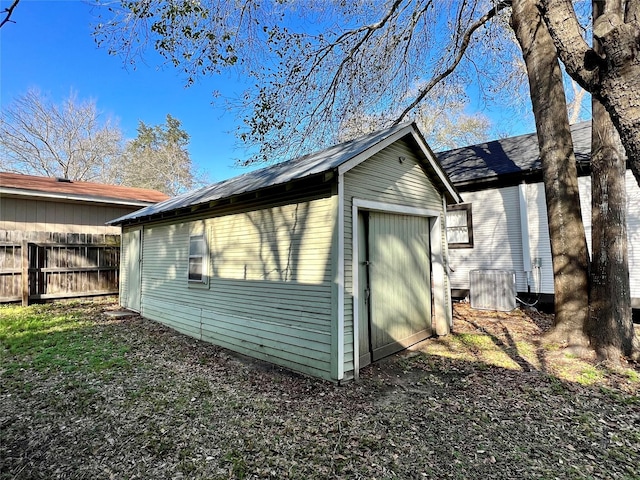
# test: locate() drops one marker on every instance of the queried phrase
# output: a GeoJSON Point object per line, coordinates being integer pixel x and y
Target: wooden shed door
{"type": "Point", "coordinates": [399, 276]}
{"type": "Point", "coordinates": [134, 279]}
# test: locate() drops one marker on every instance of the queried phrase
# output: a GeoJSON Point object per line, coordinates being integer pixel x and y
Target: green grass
{"type": "Point", "coordinates": [590, 375]}
{"type": "Point", "coordinates": [56, 336]}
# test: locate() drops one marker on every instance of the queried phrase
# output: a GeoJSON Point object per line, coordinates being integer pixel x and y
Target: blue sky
{"type": "Point", "coordinates": [50, 47]}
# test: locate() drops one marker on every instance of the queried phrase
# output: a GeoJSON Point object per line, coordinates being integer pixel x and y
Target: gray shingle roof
{"type": "Point", "coordinates": [306, 166]}
{"type": "Point", "coordinates": [507, 156]}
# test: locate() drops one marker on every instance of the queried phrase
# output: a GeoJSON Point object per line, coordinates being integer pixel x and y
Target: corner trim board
{"type": "Point", "coordinates": [341, 289]}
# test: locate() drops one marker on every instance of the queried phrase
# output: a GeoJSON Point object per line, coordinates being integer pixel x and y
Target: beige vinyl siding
{"type": "Point", "coordinates": [382, 178]}
{"type": "Point", "coordinates": [269, 282]}
{"type": "Point", "coordinates": [497, 241]}
{"type": "Point", "coordinates": [19, 214]}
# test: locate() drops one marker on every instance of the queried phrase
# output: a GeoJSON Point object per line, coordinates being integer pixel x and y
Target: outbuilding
{"type": "Point", "coordinates": [321, 264]}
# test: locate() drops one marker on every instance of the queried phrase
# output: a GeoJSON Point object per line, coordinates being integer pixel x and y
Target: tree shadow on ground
{"type": "Point", "coordinates": [512, 341]}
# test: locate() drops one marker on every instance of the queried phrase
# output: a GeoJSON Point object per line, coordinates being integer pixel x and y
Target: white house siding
{"type": "Point", "coordinates": [633, 226]}
{"type": "Point", "coordinates": [382, 178]}
{"type": "Point", "coordinates": [539, 243]}
{"type": "Point", "coordinates": [496, 237]}
{"type": "Point", "coordinates": [498, 241]}
{"type": "Point", "coordinates": [633, 232]}
{"type": "Point", "coordinates": [539, 237]}
{"type": "Point", "coordinates": [269, 289]}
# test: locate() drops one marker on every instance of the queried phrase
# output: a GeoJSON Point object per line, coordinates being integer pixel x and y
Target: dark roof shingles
{"type": "Point", "coordinates": [507, 156]}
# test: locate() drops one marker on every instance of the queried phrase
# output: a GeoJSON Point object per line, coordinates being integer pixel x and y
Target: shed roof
{"type": "Point", "coordinates": [508, 156]}
{"type": "Point", "coordinates": [30, 185]}
{"type": "Point", "coordinates": [342, 157]}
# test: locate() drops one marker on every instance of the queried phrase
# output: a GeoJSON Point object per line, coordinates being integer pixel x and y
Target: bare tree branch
{"type": "Point", "coordinates": [574, 51]}
{"type": "Point", "coordinates": [9, 11]}
{"type": "Point", "coordinates": [346, 60]}
{"type": "Point", "coordinates": [449, 70]}
{"type": "Point", "coordinates": [351, 59]}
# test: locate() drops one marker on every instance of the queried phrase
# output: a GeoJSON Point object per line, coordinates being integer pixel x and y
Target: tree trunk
{"type": "Point", "coordinates": [610, 325]}
{"type": "Point", "coordinates": [612, 77]}
{"type": "Point", "coordinates": [619, 86]}
{"type": "Point", "coordinates": [566, 231]}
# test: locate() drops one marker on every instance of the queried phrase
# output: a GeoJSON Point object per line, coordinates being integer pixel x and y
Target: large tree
{"type": "Point", "coordinates": [158, 159]}
{"type": "Point", "coordinates": [610, 323]}
{"type": "Point", "coordinates": [566, 231]}
{"type": "Point", "coordinates": [605, 293]}
{"type": "Point", "coordinates": [70, 140]}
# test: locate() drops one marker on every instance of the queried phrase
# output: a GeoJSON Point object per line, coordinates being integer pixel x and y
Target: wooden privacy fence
{"type": "Point", "coordinates": [51, 265]}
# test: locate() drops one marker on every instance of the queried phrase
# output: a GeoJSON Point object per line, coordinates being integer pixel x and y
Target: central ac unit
{"type": "Point", "coordinates": [492, 290]}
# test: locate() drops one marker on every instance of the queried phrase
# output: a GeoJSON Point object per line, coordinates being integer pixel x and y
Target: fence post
{"type": "Point", "coordinates": [25, 272]}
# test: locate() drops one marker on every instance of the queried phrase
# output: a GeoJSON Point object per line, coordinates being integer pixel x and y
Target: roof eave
{"type": "Point", "coordinates": [450, 190]}
{"type": "Point", "coordinates": [19, 192]}
{"type": "Point", "coordinates": [136, 218]}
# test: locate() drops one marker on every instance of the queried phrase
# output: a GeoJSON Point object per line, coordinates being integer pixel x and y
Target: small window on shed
{"type": "Point", "coordinates": [197, 257]}
{"type": "Point", "coordinates": [459, 226]}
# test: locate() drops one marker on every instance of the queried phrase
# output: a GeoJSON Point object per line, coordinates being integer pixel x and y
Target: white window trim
{"type": "Point", "coordinates": [204, 281]}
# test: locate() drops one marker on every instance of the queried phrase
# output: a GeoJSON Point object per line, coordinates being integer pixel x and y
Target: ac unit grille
{"type": "Point", "coordinates": [492, 290]}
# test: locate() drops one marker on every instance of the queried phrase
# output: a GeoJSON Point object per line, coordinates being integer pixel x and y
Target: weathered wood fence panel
{"type": "Point", "coordinates": [52, 265]}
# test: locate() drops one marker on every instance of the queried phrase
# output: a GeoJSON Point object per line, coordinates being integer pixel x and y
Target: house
{"type": "Point", "coordinates": [321, 264]}
{"type": "Point", "coordinates": [502, 223]}
{"type": "Point", "coordinates": [45, 204]}
{"type": "Point", "coordinates": [61, 224]}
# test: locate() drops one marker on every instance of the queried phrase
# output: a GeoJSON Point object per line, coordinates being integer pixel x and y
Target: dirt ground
{"type": "Point", "coordinates": [514, 340]}
{"type": "Point", "coordinates": [488, 401]}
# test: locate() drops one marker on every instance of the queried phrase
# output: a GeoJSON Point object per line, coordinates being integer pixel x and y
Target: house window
{"type": "Point", "coordinates": [459, 226]}
{"type": "Point", "coordinates": [197, 257]}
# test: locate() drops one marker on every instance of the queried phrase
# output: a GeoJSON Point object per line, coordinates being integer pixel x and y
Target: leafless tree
{"type": "Point", "coordinates": [69, 140]}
